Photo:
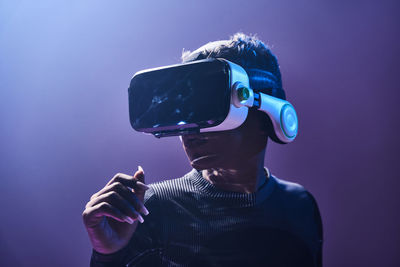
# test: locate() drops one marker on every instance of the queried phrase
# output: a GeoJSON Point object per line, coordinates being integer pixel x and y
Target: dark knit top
{"type": "Point", "coordinates": [193, 223]}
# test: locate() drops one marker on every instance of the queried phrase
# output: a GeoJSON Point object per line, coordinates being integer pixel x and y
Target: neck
{"type": "Point", "coordinates": [246, 177]}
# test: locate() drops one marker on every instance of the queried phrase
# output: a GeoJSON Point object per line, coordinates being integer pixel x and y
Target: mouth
{"type": "Point", "coordinates": [203, 160]}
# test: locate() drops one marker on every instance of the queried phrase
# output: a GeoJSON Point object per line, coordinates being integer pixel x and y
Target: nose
{"type": "Point", "coordinates": [194, 139]}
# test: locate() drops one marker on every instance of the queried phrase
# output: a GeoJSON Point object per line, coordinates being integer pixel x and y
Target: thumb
{"type": "Point", "coordinates": [139, 174]}
{"type": "Point", "coordinates": [141, 187]}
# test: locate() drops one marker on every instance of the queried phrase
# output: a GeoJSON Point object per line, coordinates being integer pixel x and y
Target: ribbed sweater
{"type": "Point", "coordinates": [193, 223]}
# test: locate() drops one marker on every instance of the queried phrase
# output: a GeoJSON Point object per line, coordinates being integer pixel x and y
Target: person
{"type": "Point", "coordinates": [228, 211]}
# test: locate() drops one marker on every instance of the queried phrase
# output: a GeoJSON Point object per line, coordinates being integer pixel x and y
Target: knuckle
{"type": "Point", "coordinates": [93, 196]}
{"type": "Point", "coordinates": [116, 176]}
{"type": "Point", "coordinates": [117, 186]}
{"type": "Point", "coordinates": [114, 195]}
{"type": "Point", "coordinates": [104, 206]}
{"type": "Point", "coordinates": [85, 213]}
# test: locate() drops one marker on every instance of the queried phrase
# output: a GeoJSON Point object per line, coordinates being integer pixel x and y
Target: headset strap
{"type": "Point", "coordinates": [265, 82]}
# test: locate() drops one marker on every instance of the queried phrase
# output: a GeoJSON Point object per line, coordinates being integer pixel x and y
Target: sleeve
{"type": "Point", "coordinates": [108, 260]}
{"type": "Point", "coordinates": [145, 242]}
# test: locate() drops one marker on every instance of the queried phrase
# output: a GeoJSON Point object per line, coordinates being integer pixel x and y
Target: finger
{"type": "Point", "coordinates": [139, 174]}
{"type": "Point", "coordinates": [119, 177]}
{"type": "Point", "coordinates": [104, 209]}
{"type": "Point", "coordinates": [128, 181]}
{"type": "Point", "coordinates": [137, 187]}
{"type": "Point", "coordinates": [116, 200]}
{"type": "Point", "coordinates": [138, 203]}
{"type": "Point", "coordinates": [140, 190]}
{"type": "Point", "coordinates": [127, 194]}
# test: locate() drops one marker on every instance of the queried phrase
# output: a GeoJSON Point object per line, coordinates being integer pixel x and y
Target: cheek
{"type": "Point", "coordinates": [250, 144]}
{"type": "Point", "coordinates": [228, 142]}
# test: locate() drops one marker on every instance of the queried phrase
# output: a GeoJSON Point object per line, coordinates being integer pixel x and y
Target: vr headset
{"type": "Point", "coordinates": [204, 96]}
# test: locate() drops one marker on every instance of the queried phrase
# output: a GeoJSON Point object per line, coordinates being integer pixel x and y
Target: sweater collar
{"type": "Point", "coordinates": [235, 198]}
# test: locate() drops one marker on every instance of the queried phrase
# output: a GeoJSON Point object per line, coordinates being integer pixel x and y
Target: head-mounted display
{"type": "Point", "coordinates": [202, 96]}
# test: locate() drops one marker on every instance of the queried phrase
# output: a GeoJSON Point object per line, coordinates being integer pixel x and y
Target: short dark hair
{"type": "Point", "coordinates": [250, 53]}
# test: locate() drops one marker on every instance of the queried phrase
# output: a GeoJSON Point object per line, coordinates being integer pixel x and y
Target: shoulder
{"type": "Point", "coordinates": [302, 214]}
{"type": "Point", "coordinates": [292, 192]}
{"type": "Point", "coordinates": [297, 201]}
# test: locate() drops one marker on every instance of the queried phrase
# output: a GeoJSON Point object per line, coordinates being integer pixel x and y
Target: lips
{"type": "Point", "coordinates": [203, 162]}
{"type": "Point", "coordinates": [202, 150]}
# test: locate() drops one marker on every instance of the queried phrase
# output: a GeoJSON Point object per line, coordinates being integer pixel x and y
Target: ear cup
{"type": "Point", "coordinates": [265, 82]}
{"type": "Point", "coordinates": [271, 131]}
{"type": "Point", "coordinates": [267, 126]}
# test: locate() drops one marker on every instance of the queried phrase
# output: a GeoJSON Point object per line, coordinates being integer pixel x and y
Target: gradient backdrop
{"type": "Point", "coordinates": [64, 132]}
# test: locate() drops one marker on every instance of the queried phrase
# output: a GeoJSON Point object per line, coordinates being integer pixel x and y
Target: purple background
{"type": "Point", "coordinates": [64, 71]}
